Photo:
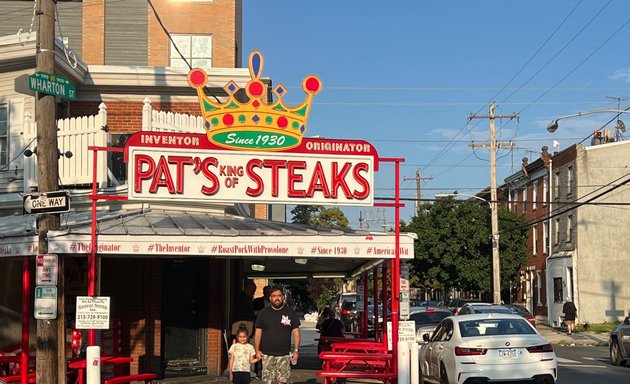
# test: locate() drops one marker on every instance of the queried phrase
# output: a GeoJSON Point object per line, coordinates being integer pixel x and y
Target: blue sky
{"type": "Point", "coordinates": [405, 76]}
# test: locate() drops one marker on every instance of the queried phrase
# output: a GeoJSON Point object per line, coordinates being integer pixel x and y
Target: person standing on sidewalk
{"type": "Point", "coordinates": [570, 313]}
{"type": "Point", "coordinates": [242, 355]}
{"type": "Point", "coordinates": [272, 339]}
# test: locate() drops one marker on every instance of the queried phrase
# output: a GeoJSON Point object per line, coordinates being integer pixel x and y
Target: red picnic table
{"type": "Point", "coordinates": [80, 365]}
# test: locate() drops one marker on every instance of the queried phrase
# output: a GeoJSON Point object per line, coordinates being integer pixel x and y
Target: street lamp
{"type": "Point", "coordinates": [496, 261]}
{"type": "Point", "coordinates": [554, 124]}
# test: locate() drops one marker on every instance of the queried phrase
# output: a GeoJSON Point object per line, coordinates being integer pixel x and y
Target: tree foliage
{"type": "Point", "coordinates": [454, 246]}
{"type": "Point", "coordinates": [318, 215]}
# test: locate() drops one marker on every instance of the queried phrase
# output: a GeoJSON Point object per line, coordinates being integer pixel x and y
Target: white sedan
{"type": "Point", "coordinates": [481, 348]}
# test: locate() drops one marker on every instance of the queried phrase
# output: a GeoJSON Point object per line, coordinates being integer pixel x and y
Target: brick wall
{"type": "Point", "coordinates": [126, 117]}
{"type": "Point", "coordinates": [217, 359]}
{"type": "Point", "coordinates": [93, 48]}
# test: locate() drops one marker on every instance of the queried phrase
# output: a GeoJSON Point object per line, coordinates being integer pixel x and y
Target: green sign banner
{"type": "Point", "coordinates": [52, 85]}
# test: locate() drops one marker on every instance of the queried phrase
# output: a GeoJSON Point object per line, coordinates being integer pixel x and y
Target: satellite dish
{"type": "Point", "coordinates": [620, 126]}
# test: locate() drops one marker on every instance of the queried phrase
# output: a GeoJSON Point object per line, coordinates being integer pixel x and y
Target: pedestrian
{"type": "Point", "coordinates": [275, 325]}
{"type": "Point", "coordinates": [242, 355]}
{"type": "Point", "coordinates": [330, 327]}
{"type": "Point", "coordinates": [260, 303]}
{"type": "Point", "coordinates": [570, 314]}
{"type": "Point", "coordinates": [244, 309]}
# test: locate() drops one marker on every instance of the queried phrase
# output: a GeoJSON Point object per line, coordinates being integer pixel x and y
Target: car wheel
{"type": "Point", "coordinates": [615, 354]}
{"type": "Point", "coordinates": [443, 375]}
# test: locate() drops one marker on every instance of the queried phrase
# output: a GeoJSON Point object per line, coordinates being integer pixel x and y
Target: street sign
{"type": "Point", "coordinates": [49, 202]}
{"type": "Point", "coordinates": [52, 85]}
{"type": "Point", "coordinates": [45, 303]}
{"type": "Point", "coordinates": [92, 312]}
{"type": "Point", "coordinates": [47, 268]}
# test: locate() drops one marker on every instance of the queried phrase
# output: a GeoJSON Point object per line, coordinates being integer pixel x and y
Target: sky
{"type": "Point", "coordinates": [406, 75]}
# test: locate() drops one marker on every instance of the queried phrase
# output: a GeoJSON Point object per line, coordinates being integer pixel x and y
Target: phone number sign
{"type": "Point", "coordinates": [92, 312]}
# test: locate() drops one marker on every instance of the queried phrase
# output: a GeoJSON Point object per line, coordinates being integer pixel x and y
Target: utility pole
{"type": "Point", "coordinates": [418, 180]}
{"type": "Point", "coordinates": [48, 352]}
{"type": "Point", "coordinates": [494, 204]}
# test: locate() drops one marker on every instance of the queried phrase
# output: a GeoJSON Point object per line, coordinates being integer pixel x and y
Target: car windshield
{"type": "Point", "coordinates": [484, 327]}
{"type": "Point", "coordinates": [519, 310]}
{"type": "Point", "coordinates": [430, 317]}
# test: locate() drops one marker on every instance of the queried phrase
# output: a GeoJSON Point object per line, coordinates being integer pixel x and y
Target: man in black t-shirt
{"type": "Point", "coordinates": [275, 325]}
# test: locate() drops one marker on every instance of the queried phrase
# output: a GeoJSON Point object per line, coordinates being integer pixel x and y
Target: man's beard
{"type": "Point", "coordinates": [277, 306]}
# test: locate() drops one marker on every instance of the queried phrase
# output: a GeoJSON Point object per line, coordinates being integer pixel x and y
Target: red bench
{"type": "Point", "coordinates": [357, 365]}
{"type": "Point", "coordinates": [146, 377]}
{"type": "Point", "coordinates": [17, 378]}
{"type": "Point", "coordinates": [385, 377]}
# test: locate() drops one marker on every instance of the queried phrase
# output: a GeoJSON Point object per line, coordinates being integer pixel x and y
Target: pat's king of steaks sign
{"type": "Point", "coordinates": [252, 151]}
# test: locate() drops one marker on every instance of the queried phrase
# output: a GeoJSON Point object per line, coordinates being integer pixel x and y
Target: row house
{"type": "Point", "coordinates": [576, 245]}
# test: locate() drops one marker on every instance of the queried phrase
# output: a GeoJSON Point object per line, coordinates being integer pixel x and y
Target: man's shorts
{"type": "Point", "coordinates": [276, 369]}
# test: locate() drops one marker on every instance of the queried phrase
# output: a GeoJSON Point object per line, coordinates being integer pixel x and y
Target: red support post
{"type": "Point", "coordinates": [26, 317]}
{"type": "Point", "coordinates": [375, 313]}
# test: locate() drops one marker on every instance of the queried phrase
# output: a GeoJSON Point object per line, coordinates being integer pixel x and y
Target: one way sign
{"type": "Point", "coordinates": [49, 202]}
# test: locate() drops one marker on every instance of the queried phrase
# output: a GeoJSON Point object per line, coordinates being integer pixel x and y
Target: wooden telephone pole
{"type": "Point", "coordinates": [50, 357]}
{"type": "Point", "coordinates": [496, 261]}
{"type": "Point", "coordinates": [418, 180]}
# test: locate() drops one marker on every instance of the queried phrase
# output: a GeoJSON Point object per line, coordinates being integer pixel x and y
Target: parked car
{"type": "Point", "coordinates": [469, 308]}
{"type": "Point", "coordinates": [485, 348]}
{"type": "Point", "coordinates": [520, 310]}
{"type": "Point", "coordinates": [619, 344]}
{"type": "Point", "coordinates": [427, 318]}
{"type": "Point", "coordinates": [455, 304]}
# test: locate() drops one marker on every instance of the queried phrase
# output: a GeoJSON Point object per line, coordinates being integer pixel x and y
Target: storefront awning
{"type": "Point", "coordinates": [284, 249]}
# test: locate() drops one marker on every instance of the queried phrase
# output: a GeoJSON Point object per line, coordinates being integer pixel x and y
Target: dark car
{"type": "Point", "coordinates": [470, 308]}
{"type": "Point", "coordinates": [349, 316]}
{"type": "Point", "coordinates": [427, 318]}
{"type": "Point", "coordinates": [520, 310]}
{"type": "Point", "coordinates": [619, 344]}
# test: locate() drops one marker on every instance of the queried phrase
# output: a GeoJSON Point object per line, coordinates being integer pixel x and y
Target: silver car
{"type": "Point", "coordinates": [619, 344]}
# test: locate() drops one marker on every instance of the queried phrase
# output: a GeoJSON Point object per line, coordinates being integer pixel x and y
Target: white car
{"type": "Point", "coordinates": [480, 348]}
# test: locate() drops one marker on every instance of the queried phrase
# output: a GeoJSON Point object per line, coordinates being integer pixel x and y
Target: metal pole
{"type": "Point", "coordinates": [48, 351]}
{"type": "Point", "coordinates": [496, 262]}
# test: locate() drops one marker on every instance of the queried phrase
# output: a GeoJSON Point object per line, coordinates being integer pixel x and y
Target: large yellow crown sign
{"type": "Point", "coordinates": [254, 125]}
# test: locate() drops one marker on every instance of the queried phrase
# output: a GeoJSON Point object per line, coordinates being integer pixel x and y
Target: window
{"type": "Point", "coordinates": [556, 184]}
{"type": "Point", "coordinates": [197, 49]}
{"type": "Point", "coordinates": [516, 201]}
{"type": "Point", "coordinates": [570, 180]}
{"type": "Point", "coordinates": [534, 194]}
{"type": "Point", "coordinates": [569, 228]}
{"type": "Point", "coordinates": [557, 290]}
{"type": "Point", "coordinates": [545, 189]}
{"type": "Point", "coordinates": [546, 237]}
{"type": "Point", "coordinates": [557, 231]}
{"type": "Point", "coordinates": [4, 135]}
{"type": "Point", "coordinates": [524, 199]}
{"type": "Point", "coordinates": [534, 240]}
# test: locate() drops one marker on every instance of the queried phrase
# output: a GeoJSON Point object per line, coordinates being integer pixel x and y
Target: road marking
{"type": "Point", "coordinates": [565, 360]}
{"type": "Point", "coordinates": [582, 366]}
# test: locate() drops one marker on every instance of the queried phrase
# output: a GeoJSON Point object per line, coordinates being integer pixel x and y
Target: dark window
{"type": "Point", "coordinates": [557, 289]}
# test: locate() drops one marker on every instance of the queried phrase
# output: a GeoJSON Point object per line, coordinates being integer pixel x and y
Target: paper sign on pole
{"type": "Point", "coordinates": [406, 332]}
{"type": "Point", "coordinates": [92, 312]}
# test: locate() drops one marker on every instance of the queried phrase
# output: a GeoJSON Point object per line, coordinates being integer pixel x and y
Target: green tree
{"type": "Point", "coordinates": [318, 215]}
{"type": "Point", "coordinates": [454, 245]}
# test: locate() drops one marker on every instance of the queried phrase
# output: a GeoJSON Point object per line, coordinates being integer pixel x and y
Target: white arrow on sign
{"type": "Point", "coordinates": [47, 202]}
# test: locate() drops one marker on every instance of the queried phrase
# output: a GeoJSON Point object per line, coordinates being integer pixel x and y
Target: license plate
{"type": "Point", "coordinates": [508, 353]}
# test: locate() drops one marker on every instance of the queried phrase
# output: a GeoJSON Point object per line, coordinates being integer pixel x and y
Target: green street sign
{"type": "Point", "coordinates": [52, 85]}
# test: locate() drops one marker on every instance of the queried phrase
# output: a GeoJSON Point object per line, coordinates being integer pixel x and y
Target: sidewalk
{"type": "Point", "coordinates": [557, 336]}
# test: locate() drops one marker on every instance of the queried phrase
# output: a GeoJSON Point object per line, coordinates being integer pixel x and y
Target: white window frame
{"type": "Point", "coordinates": [194, 59]}
{"type": "Point", "coordinates": [534, 194]}
{"type": "Point", "coordinates": [534, 240]}
{"type": "Point", "coordinates": [539, 287]}
{"type": "Point", "coordinates": [556, 185]}
{"type": "Point", "coordinates": [516, 201]}
{"type": "Point", "coordinates": [569, 228]}
{"type": "Point", "coordinates": [545, 190]}
{"type": "Point", "coordinates": [4, 137]}
{"type": "Point", "coordinates": [525, 199]}
{"type": "Point", "coordinates": [569, 180]}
